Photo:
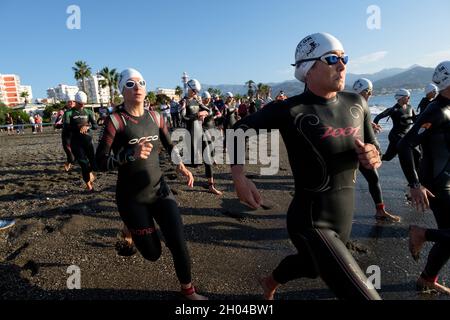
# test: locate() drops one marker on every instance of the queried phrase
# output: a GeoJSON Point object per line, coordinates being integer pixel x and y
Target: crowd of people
{"type": "Point", "coordinates": [328, 134]}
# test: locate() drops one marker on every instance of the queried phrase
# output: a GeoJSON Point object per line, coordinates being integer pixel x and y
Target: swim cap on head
{"type": "Point", "coordinates": [229, 95]}
{"type": "Point", "coordinates": [401, 93]}
{"type": "Point", "coordinates": [313, 46]}
{"type": "Point", "coordinates": [441, 75]}
{"type": "Point", "coordinates": [362, 84]}
{"type": "Point", "coordinates": [206, 95]}
{"type": "Point", "coordinates": [195, 85]}
{"type": "Point", "coordinates": [81, 97]}
{"type": "Point", "coordinates": [430, 88]}
{"type": "Point", "coordinates": [126, 75]}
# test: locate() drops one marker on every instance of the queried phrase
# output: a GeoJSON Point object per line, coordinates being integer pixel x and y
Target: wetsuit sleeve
{"type": "Point", "coordinates": [369, 135]}
{"type": "Point", "coordinates": [66, 121]}
{"type": "Point", "coordinates": [423, 128]}
{"type": "Point", "coordinates": [268, 117]}
{"type": "Point", "coordinates": [106, 160]}
{"type": "Point", "coordinates": [384, 114]}
{"type": "Point", "coordinates": [167, 143]}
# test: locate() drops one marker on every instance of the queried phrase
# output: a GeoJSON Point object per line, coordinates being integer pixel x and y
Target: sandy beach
{"type": "Point", "coordinates": [60, 225]}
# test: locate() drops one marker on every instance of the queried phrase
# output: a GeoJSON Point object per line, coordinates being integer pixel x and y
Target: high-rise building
{"type": "Point", "coordinates": [10, 89]}
{"type": "Point", "coordinates": [29, 91]}
{"type": "Point", "coordinates": [95, 93]}
{"type": "Point", "coordinates": [60, 92]}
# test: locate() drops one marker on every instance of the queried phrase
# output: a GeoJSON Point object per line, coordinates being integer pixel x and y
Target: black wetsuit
{"type": "Point", "coordinates": [402, 120]}
{"type": "Point", "coordinates": [142, 195]}
{"type": "Point", "coordinates": [319, 135]}
{"type": "Point", "coordinates": [65, 138]}
{"type": "Point", "coordinates": [193, 125]}
{"type": "Point", "coordinates": [432, 131]}
{"type": "Point", "coordinates": [423, 104]}
{"type": "Point", "coordinates": [209, 123]}
{"type": "Point", "coordinates": [82, 145]}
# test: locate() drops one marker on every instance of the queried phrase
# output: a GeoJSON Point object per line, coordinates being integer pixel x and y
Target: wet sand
{"type": "Point", "coordinates": [60, 225]}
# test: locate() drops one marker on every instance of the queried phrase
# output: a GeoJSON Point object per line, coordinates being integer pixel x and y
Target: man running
{"type": "Point", "coordinates": [66, 133]}
{"type": "Point", "coordinates": [79, 122]}
{"type": "Point", "coordinates": [430, 187]}
{"type": "Point", "coordinates": [431, 92]}
{"type": "Point", "coordinates": [130, 141]}
{"type": "Point", "coordinates": [364, 87]}
{"type": "Point", "coordinates": [403, 116]}
{"type": "Point", "coordinates": [323, 130]}
{"type": "Point", "coordinates": [193, 114]}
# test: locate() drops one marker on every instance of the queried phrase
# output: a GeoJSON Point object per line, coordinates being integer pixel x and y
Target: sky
{"type": "Point", "coordinates": [216, 42]}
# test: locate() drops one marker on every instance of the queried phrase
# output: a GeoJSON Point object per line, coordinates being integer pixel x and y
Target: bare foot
{"type": "Point", "coordinates": [92, 177]}
{"type": "Point", "coordinates": [416, 241]}
{"type": "Point", "coordinates": [213, 190]}
{"type": "Point", "coordinates": [383, 215]}
{"type": "Point", "coordinates": [431, 287]}
{"type": "Point", "coordinates": [269, 286]}
{"type": "Point", "coordinates": [67, 166]}
{"type": "Point", "coordinates": [89, 186]}
{"type": "Point", "coordinates": [191, 294]}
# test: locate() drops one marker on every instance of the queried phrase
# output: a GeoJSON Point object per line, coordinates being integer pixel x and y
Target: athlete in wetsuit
{"type": "Point", "coordinates": [209, 124]}
{"type": "Point", "coordinates": [323, 130]}
{"type": "Point", "coordinates": [129, 143]}
{"type": "Point", "coordinates": [431, 187]}
{"type": "Point", "coordinates": [66, 135]}
{"type": "Point", "coordinates": [79, 122]}
{"type": "Point", "coordinates": [192, 112]}
{"type": "Point", "coordinates": [431, 91]}
{"type": "Point", "coordinates": [364, 87]}
{"type": "Point", "coordinates": [403, 117]}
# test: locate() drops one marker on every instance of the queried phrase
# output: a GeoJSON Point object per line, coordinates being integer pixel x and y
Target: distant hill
{"type": "Point", "coordinates": [384, 81]}
{"type": "Point", "coordinates": [414, 78]}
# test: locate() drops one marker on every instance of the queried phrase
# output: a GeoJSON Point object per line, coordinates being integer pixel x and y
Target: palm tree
{"type": "Point", "coordinates": [151, 97]}
{"type": "Point", "coordinates": [263, 90]}
{"type": "Point", "coordinates": [25, 95]}
{"type": "Point", "coordinates": [215, 91]}
{"type": "Point", "coordinates": [179, 91]}
{"type": "Point", "coordinates": [110, 79]}
{"type": "Point", "coordinates": [250, 84]}
{"type": "Point", "coordinates": [82, 71]}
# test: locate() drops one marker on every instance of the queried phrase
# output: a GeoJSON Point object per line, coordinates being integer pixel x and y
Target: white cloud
{"type": "Point", "coordinates": [355, 65]}
{"type": "Point", "coordinates": [434, 58]}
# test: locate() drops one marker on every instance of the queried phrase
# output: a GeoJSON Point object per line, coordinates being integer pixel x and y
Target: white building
{"type": "Point", "coordinates": [95, 93]}
{"type": "Point", "coordinates": [30, 93]}
{"type": "Point", "coordinates": [10, 90]}
{"type": "Point", "coordinates": [60, 92]}
{"type": "Point", "coordinates": [168, 92]}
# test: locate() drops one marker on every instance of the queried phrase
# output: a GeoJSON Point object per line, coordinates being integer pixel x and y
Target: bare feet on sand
{"type": "Point", "coordinates": [431, 287]}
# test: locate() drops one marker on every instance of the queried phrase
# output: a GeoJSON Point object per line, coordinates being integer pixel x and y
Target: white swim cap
{"type": "Point", "coordinates": [402, 93]}
{"type": "Point", "coordinates": [441, 75]}
{"type": "Point", "coordinates": [313, 46]}
{"type": "Point", "coordinates": [195, 85]}
{"type": "Point", "coordinates": [362, 84]}
{"type": "Point", "coordinates": [81, 97]}
{"type": "Point", "coordinates": [206, 95]}
{"type": "Point", "coordinates": [430, 88]}
{"type": "Point", "coordinates": [126, 75]}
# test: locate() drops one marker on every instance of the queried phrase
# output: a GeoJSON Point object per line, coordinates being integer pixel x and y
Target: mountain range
{"type": "Point", "coordinates": [384, 81]}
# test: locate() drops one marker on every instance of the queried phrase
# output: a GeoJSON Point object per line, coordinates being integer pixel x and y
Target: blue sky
{"type": "Point", "coordinates": [216, 42]}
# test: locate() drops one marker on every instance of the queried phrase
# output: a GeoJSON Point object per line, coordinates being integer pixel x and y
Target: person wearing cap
{"type": "Point", "coordinates": [78, 122]}
{"type": "Point", "coordinates": [129, 143]}
{"type": "Point", "coordinates": [193, 112]}
{"type": "Point", "coordinates": [431, 92]}
{"type": "Point", "coordinates": [327, 133]}
{"type": "Point", "coordinates": [66, 133]}
{"type": "Point", "coordinates": [209, 124]}
{"type": "Point", "coordinates": [364, 87]}
{"type": "Point", "coordinates": [281, 96]}
{"type": "Point", "coordinates": [430, 185]}
{"type": "Point", "coordinates": [403, 116]}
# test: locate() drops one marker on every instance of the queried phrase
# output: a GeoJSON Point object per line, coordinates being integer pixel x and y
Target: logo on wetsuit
{"type": "Point", "coordinates": [340, 132]}
{"type": "Point", "coordinates": [143, 139]}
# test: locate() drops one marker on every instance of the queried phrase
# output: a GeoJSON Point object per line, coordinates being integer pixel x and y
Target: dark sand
{"type": "Point", "coordinates": [59, 225]}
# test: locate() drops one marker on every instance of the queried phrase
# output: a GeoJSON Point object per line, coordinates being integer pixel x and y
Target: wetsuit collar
{"type": "Point", "coordinates": [320, 100]}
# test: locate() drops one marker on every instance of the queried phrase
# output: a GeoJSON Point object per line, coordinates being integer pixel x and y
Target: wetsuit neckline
{"type": "Point", "coordinates": [135, 117]}
{"type": "Point", "coordinates": [321, 100]}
